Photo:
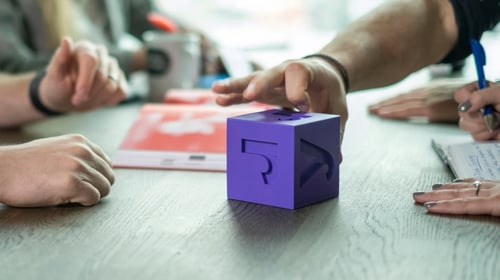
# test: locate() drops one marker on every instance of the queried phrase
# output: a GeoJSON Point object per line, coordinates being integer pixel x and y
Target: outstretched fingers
{"type": "Point", "coordinates": [229, 91]}
{"type": "Point", "coordinates": [461, 206]}
{"type": "Point", "coordinates": [465, 197]}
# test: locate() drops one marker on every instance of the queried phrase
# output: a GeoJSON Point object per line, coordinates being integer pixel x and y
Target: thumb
{"type": "Point", "coordinates": [61, 57]}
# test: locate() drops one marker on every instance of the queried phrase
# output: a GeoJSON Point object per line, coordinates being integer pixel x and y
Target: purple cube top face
{"type": "Point", "coordinates": [277, 116]}
{"type": "Point", "coordinates": [282, 158]}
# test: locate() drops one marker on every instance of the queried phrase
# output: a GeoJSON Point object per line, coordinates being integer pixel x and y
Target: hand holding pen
{"type": "Point", "coordinates": [491, 117]}
{"type": "Point", "coordinates": [471, 102]}
{"type": "Point", "coordinates": [479, 103]}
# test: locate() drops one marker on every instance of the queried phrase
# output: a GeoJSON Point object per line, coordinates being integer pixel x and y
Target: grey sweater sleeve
{"type": "Point", "coordinates": [17, 48]}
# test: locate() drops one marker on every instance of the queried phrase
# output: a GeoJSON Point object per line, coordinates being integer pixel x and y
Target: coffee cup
{"type": "Point", "coordinates": [174, 61]}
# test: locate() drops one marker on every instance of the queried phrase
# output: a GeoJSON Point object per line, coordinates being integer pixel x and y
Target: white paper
{"type": "Point", "coordinates": [480, 160]}
{"type": "Point", "coordinates": [476, 160]}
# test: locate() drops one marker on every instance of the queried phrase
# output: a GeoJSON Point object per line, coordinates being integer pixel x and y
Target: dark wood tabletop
{"type": "Point", "coordinates": [159, 224]}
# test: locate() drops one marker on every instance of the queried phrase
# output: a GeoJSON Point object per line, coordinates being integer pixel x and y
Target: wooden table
{"type": "Point", "coordinates": [179, 225]}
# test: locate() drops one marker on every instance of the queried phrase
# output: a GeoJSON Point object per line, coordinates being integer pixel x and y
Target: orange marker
{"type": "Point", "coordinates": [162, 22]}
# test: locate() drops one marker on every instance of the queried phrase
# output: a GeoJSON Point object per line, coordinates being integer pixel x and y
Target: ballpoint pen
{"type": "Point", "coordinates": [480, 60]}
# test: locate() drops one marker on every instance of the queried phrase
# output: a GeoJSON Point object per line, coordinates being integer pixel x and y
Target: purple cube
{"type": "Point", "coordinates": [282, 158]}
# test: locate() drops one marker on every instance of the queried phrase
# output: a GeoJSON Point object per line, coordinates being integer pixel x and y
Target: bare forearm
{"type": "Point", "coordinates": [16, 108]}
{"type": "Point", "coordinates": [399, 38]}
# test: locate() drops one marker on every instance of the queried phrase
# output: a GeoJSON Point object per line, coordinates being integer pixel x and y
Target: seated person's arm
{"type": "Point", "coordinates": [374, 51]}
{"type": "Point", "coordinates": [80, 77]}
{"type": "Point", "coordinates": [395, 40]}
{"type": "Point", "coordinates": [54, 171]}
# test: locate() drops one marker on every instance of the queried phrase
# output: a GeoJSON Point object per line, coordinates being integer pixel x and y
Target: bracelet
{"type": "Point", "coordinates": [337, 64]}
{"type": "Point", "coordinates": [35, 95]}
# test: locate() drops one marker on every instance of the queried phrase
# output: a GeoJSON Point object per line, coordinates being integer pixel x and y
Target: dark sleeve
{"type": "Point", "coordinates": [473, 17]}
{"type": "Point", "coordinates": [17, 53]}
{"type": "Point", "coordinates": [137, 16]}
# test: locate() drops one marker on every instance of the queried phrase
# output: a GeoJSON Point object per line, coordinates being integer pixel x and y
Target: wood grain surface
{"type": "Point", "coordinates": [179, 224]}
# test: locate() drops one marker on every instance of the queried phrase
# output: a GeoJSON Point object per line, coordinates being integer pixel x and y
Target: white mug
{"type": "Point", "coordinates": [174, 61]}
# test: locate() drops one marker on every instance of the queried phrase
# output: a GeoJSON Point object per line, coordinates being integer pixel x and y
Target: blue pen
{"type": "Point", "coordinates": [480, 61]}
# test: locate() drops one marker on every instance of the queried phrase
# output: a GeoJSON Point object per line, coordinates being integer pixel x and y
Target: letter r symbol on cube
{"type": "Point", "coordinates": [267, 151]}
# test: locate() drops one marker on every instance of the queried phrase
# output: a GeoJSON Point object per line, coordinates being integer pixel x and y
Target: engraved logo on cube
{"type": "Point", "coordinates": [290, 115]}
{"type": "Point", "coordinates": [266, 150]}
{"type": "Point", "coordinates": [320, 157]}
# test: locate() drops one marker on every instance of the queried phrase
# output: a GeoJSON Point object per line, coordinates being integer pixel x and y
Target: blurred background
{"type": "Point", "coordinates": [269, 30]}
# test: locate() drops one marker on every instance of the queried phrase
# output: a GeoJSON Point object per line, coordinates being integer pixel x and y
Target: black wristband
{"type": "Point", "coordinates": [337, 64]}
{"type": "Point", "coordinates": [35, 95]}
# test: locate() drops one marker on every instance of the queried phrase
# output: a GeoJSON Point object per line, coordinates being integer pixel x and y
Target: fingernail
{"type": "Point", "coordinates": [436, 186]}
{"type": "Point", "coordinates": [430, 204]}
{"type": "Point", "coordinates": [458, 180]}
{"type": "Point", "coordinates": [303, 107]}
{"type": "Point", "coordinates": [464, 106]}
{"type": "Point", "coordinates": [418, 193]}
{"type": "Point", "coordinates": [250, 87]}
{"type": "Point", "coordinates": [382, 112]}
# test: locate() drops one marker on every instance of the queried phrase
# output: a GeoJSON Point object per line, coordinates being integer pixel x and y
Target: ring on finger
{"type": "Point", "coordinates": [477, 185]}
{"type": "Point", "coordinates": [112, 77]}
{"type": "Point", "coordinates": [113, 70]}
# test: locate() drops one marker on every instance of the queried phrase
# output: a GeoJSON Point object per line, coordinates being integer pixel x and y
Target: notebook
{"type": "Point", "coordinates": [469, 159]}
{"type": "Point", "coordinates": [188, 132]}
